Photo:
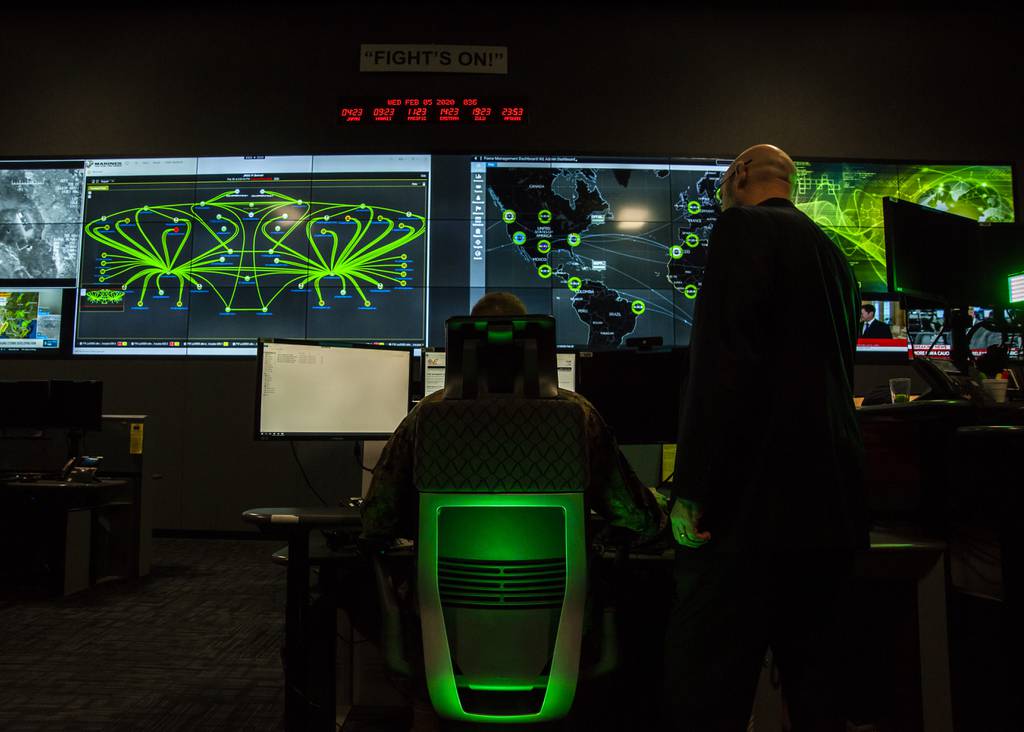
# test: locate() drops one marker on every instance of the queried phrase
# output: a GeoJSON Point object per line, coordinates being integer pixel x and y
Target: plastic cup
{"type": "Point", "coordinates": [995, 388]}
{"type": "Point", "coordinates": [899, 390]}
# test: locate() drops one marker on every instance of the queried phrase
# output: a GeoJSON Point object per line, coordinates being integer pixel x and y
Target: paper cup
{"type": "Point", "coordinates": [995, 388]}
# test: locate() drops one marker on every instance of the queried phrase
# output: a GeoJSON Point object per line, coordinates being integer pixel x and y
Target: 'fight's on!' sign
{"type": "Point", "coordinates": [433, 58]}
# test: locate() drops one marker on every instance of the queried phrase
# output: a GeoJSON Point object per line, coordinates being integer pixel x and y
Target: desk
{"type": "Point", "coordinates": [295, 525]}
{"type": "Point", "coordinates": [71, 504]}
{"type": "Point", "coordinates": [894, 555]}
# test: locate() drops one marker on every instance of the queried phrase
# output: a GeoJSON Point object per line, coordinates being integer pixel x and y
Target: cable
{"type": "Point", "coordinates": [936, 340]}
{"type": "Point", "coordinates": [295, 454]}
{"type": "Point", "coordinates": [357, 450]}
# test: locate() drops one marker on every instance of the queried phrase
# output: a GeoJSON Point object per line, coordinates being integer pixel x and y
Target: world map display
{"type": "Point", "coordinates": [617, 251]}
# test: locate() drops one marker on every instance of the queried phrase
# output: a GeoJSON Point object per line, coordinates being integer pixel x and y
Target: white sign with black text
{"type": "Point", "coordinates": [433, 58]}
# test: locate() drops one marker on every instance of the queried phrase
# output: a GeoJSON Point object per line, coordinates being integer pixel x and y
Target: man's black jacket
{"type": "Point", "coordinates": [876, 329]}
{"type": "Point", "coordinates": [769, 442]}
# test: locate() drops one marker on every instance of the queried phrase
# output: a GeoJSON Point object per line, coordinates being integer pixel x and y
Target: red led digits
{"type": "Point", "coordinates": [449, 114]}
{"type": "Point", "coordinates": [350, 114]}
{"type": "Point", "coordinates": [443, 110]}
{"type": "Point", "coordinates": [512, 114]}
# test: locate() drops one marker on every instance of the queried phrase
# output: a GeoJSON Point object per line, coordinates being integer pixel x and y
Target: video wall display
{"type": "Point", "coordinates": [202, 256]}
{"type": "Point", "coordinates": [845, 200]}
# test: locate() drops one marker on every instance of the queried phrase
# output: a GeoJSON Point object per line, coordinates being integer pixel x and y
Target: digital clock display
{"type": "Point", "coordinates": [437, 110]}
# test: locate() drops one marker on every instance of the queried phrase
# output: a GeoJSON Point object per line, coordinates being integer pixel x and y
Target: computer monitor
{"type": "Point", "coordinates": [434, 367]}
{"type": "Point", "coordinates": [71, 405]}
{"type": "Point", "coordinates": [882, 331]}
{"type": "Point", "coordinates": [1015, 283]}
{"type": "Point", "coordinates": [931, 254]}
{"type": "Point", "coordinates": [927, 337]}
{"type": "Point", "coordinates": [637, 392]}
{"type": "Point", "coordinates": [313, 391]}
{"type": "Point", "coordinates": [34, 320]}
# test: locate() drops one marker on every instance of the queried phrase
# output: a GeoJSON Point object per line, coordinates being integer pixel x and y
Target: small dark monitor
{"type": "Point", "coordinates": [72, 405]}
{"type": "Point", "coordinates": [25, 404]}
{"type": "Point", "coordinates": [636, 391]}
{"type": "Point", "coordinates": [930, 253]}
{"type": "Point", "coordinates": [76, 405]}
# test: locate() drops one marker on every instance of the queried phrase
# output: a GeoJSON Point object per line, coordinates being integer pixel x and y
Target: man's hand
{"type": "Point", "coordinates": [660, 498]}
{"type": "Point", "coordinates": [685, 517]}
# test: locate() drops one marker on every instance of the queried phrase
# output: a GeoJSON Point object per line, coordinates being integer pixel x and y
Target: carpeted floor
{"type": "Point", "coordinates": [195, 646]}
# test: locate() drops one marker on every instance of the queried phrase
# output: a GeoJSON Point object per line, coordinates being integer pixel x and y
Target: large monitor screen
{"type": "Point", "coordinates": [207, 255]}
{"type": "Point", "coordinates": [30, 319]}
{"type": "Point", "coordinates": [845, 200]}
{"type": "Point", "coordinates": [40, 219]}
{"type": "Point", "coordinates": [314, 391]}
{"type": "Point", "coordinates": [611, 248]}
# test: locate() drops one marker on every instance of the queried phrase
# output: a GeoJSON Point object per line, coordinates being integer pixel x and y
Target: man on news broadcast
{"type": "Point", "coordinates": [768, 507]}
{"type": "Point", "coordinates": [870, 328]}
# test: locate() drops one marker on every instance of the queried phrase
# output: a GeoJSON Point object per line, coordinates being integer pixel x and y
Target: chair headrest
{"type": "Point", "coordinates": [499, 356]}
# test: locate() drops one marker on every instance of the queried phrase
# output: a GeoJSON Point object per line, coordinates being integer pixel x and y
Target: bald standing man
{"type": "Point", "coordinates": [768, 507]}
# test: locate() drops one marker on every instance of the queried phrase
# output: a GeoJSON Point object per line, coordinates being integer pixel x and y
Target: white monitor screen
{"type": "Point", "coordinates": [316, 391]}
{"type": "Point", "coordinates": [434, 364]}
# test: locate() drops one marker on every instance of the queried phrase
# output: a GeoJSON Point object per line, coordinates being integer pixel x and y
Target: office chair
{"type": "Point", "coordinates": [501, 465]}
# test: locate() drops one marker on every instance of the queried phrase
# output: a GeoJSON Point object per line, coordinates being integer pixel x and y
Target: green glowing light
{"type": "Point", "coordinates": [499, 687]}
{"type": "Point", "coordinates": [845, 200]}
{"type": "Point", "coordinates": [506, 540]}
{"type": "Point", "coordinates": [174, 246]}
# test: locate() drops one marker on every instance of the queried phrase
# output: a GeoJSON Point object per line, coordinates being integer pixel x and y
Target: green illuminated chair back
{"type": "Point", "coordinates": [501, 465]}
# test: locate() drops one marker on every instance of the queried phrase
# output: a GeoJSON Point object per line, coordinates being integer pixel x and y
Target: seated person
{"type": "Point", "coordinates": [390, 509]}
{"type": "Point", "coordinates": [614, 491]}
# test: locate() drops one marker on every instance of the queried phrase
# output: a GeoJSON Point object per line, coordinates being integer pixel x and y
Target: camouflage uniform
{"type": "Point", "coordinates": [614, 492]}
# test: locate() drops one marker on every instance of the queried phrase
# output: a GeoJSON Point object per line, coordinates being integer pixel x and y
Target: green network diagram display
{"type": "Point", "coordinates": [218, 261]}
{"type": "Point", "coordinates": [845, 199]}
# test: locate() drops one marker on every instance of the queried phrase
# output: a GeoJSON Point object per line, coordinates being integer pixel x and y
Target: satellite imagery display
{"type": "Point", "coordinates": [40, 220]}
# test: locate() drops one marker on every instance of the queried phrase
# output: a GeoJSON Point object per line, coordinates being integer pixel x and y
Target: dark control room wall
{"type": "Point", "coordinates": [599, 79]}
